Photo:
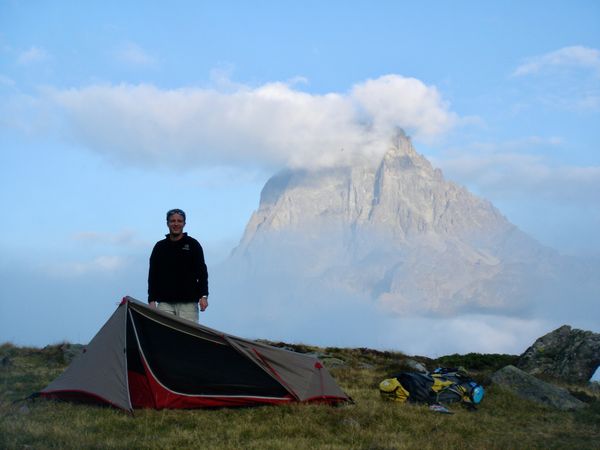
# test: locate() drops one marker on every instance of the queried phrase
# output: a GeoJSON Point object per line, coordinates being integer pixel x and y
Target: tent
{"type": "Point", "coordinates": [144, 358]}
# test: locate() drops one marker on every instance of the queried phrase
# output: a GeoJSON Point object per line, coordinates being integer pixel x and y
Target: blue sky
{"type": "Point", "coordinates": [113, 112]}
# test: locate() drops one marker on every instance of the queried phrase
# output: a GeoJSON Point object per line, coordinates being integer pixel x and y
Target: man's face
{"type": "Point", "coordinates": [176, 224]}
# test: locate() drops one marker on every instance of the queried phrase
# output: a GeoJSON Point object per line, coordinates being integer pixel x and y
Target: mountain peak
{"type": "Point", "coordinates": [400, 143]}
{"type": "Point", "coordinates": [397, 232]}
{"type": "Point", "coordinates": [404, 195]}
{"type": "Point", "coordinates": [401, 155]}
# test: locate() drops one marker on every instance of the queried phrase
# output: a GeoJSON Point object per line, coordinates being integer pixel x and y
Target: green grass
{"type": "Point", "coordinates": [502, 421]}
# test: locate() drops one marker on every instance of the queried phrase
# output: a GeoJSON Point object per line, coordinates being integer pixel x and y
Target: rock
{"type": "Point", "coordinates": [530, 388]}
{"type": "Point", "coordinates": [565, 353]}
{"type": "Point", "coordinates": [331, 362]}
{"type": "Point", "coordinates": [62, 353]}
{"type": "Point", "coordinates": [367, 366]}
{"type": "Point", "coordinates": [415, 365]}
{"type": "Point", "coordinates": [71, 351]}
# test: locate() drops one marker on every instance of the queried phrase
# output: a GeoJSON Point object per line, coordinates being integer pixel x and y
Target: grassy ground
{"type": "Point", "coordinates": [501, 422]}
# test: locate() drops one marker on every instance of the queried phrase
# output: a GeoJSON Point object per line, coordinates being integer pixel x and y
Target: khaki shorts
{"type": "Point", "coordinates": [187, 311]}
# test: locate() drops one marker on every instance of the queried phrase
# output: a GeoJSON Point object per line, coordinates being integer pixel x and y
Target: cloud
{"type": "Point", "coordinates": [509, 169]}
{"type": "Point", "coordinates": [102, 264]}
{"type": "Point", "coordinates": [84, 303]}
{"type": "Point", "coordinates": [470, 332]}
{"type": "Point", "coordinates": [566, 57]}
{"type": "Point", "coordinates": [71, 305]}
{"type": "Point", "coordinates": [132, 54]}
{"type": "Point", "coordinates": [417, 106]}
{"type": "Point", "coordinates": [26, 113]}
{"type": "Point", "coordinates": [271, 125]}
{"type": "Point", "coordinates": [32, 56]}
{"type": "Point", "coordinates": [588, 102]}
{"type": "Point", "coordinates": [7, 82]}
{"type": "Point", "coordinates": [305, 315]}
{"type": "Point", "coordinates": [565, 79]}
{"type": "Point", "coordinates": [124, 237]}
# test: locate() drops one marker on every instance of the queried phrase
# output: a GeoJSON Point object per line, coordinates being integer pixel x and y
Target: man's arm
{"type": "Point", "coordinates": [201, 272]}
{"type": "Point", "coordinates": [152, 277]}
{"type": "Point", "coordinates": [202, 277]}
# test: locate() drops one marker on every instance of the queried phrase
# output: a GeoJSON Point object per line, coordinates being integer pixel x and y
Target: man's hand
{"type": "Point", "coordinates": [152, 304]}
{"type": "Point", "coordinates": [203, 303]}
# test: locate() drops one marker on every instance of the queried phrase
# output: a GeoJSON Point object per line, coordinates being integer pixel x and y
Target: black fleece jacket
{"type": "Point", "coordinates": [178, 273]}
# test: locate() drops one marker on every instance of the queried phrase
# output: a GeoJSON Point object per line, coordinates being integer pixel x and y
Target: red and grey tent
{"type": "Point", "coordinates": [144, 358]}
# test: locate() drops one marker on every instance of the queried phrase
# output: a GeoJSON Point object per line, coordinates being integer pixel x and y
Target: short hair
{"type": "Point", "coordinates": [175, 211]}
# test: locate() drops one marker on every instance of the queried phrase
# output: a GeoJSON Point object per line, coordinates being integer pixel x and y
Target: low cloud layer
{"type": "Point", "coordinates": [102, 264]}
{"type": "Point", "coordinates": [126, 237]}
{"type": "Point", "coordinates": [272, 125]}
{"type": "Point", "coordinates": [333, 319]}
{"type": "Point", "coordinates": [86, 301]}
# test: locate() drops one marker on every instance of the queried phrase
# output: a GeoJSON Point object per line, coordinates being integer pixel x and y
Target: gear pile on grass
{"type": "Point", "coordinates": [442, 387]}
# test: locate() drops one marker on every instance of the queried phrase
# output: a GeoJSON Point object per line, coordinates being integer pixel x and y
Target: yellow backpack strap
{"type": "Point", "coordinates": [439, 383]}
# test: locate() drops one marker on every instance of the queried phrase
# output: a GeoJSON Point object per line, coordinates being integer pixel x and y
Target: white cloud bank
{"type": "Point", "coordinates": [271, 125]}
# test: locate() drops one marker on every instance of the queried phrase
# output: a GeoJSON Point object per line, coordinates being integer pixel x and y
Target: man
{"type": "Point", "coordinates": [178, 277]}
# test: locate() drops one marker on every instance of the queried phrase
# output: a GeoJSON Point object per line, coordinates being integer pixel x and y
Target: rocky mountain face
{"type": "Point", "coordinates": [395, 233]}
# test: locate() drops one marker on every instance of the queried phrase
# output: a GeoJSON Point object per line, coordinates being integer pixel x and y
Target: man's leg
{"type": "Point", "coordinates": [188, 311]}
{"type": "Point", "coordinates": [167, 307]}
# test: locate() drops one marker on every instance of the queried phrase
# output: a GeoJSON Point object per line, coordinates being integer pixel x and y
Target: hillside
{"type": "Point", "coordinates": [501, 421]}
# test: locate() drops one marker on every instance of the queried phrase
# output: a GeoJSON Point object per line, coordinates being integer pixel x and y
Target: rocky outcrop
{"type": "Point", "coordinates": [565, 353]}
{"type": "Point", "coordinates": [528, 387]}
{"type": "Point", "coordinates": [63, 353]}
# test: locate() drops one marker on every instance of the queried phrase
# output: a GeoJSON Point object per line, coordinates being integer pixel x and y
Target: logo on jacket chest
{"type": "Point", "coordinates": [185, 247]}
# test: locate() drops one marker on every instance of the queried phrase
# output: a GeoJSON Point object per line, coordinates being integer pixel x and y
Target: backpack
{"type": "Point", "coordinates": [443, 385]}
